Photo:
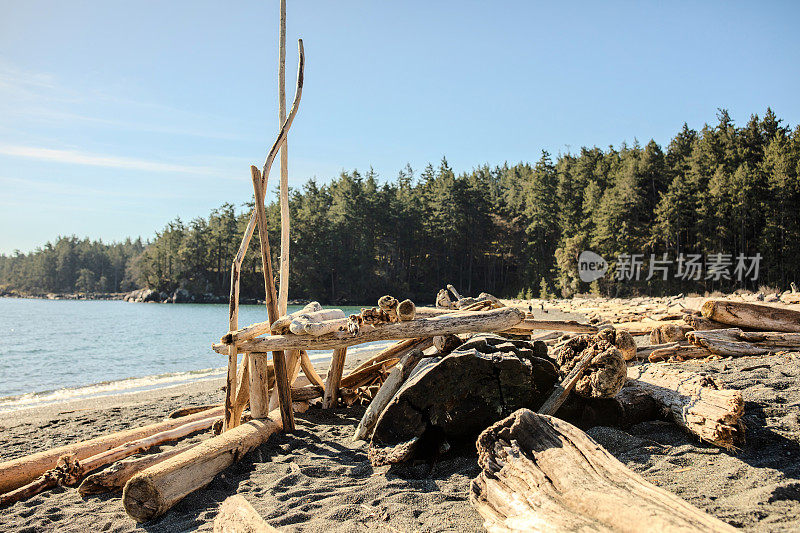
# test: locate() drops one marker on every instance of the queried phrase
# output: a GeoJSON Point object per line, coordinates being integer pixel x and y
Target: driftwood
{"type": "Point", "coordinates": [303, 324]}
{"type": "Point", "coordinates": [396, 350]}
{"type": "Point", "coordinates": [695, 402]}
{"type": "Point", "coordinates": [735, 342]}
{"type": "Point", "coordinates": [281, 326]}
{"type": "Point", "coordinates": [259, 391]}
{"type": "Point", "coordinates": [155, 490]}
{"type": "Point", "coordinates": [185, 411]}
{"type": "Point", "coordinates": [605, 374]}
{"type": "Point", "coordinates": [69, 470]}
{"type": "Point", "coordinates": [387, 391]}
{"type": "Point", "coordinates": [562, 390]}
{"type": "Point", "coordinates": [543, 474]}
{"type": "Point", "coordinates": [446, 343]}
{"type": "Point", "coordinates": [115, 476]}
{"type": "Point", "coordinates": [678, 352]}
{"type": "Point", "coordinates": [283, 273]}
{"type": "Point", "coordinates": [483, 321]}
{"type": "Point", "coordinates": [703, 324]}
{"type": "Point", "coordinates": [747, 315]}
{"type": "Point", "coordinates": [21, 471]}
{"type": "Point", "coordinates": [236, 515]}
{"type": "Point", "coordinates": [457, 397]}
{"type": "Point", "coordinates": [669, 333]}
{"type": "Point", "coordinates": [331, 395]}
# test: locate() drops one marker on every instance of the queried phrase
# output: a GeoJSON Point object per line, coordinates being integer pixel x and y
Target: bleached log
{"type": "Point", "coordinates": [696, 402]}
{"type": "Point", "coordinates": [447, 343]}
{"type": "Point", "coordinates": [678, 352]}
{"type": "Point", "coordinates": [478, 322]}
{"type": "Point", "coordinates": [236, 515]}
{"type": "Point", "coordinates": [259, 384]}
{"type": "Point", "coordinates": [540, 473]}
{"type": "Point", "coordinates": [406, 310]}
{"type": "Point", "coordinates": [115, 476]}
{"type": "Point", "coordinates": [669, 333]}
{"type": "Point", "coordinates": [387, 391]}
{"type": "Point", "coordinates": [154, 491]}
{"type": "Point", "coordinates": [281, 326]}
{"type": "Point", "coordinates": [21, 471]}
{"type": "Point", "coordinates": [331, 395]}
{"type": "Point", "coordinates": [455, 292]}
{"type": "Point", "coordinates": [735, 342]}
{"type": "Point", "coordinates": [325, 327]}
{"type": "Point", "coordinates": [747, 315]}
{"type": "Point", "coordinates": [69, 470]}
{"type": "Point", "coordinates": [703, 324]}
{"type": "Point", "coordinates": [299, 323]}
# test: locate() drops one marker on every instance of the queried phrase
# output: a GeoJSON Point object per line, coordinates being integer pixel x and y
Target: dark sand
{"type": "Point", "coordinates": [318, 480]}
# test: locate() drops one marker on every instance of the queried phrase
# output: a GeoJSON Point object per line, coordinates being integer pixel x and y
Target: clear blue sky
{"type": "Point", "coordinates": [117, 116]}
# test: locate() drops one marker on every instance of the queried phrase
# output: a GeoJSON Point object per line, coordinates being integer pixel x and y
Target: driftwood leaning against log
{"type": "Point", "coordinates": [155, 490]}
{"type": "Point", "coordinates": [390, 387]}
{"type": "Point", "coordinates": [21, 471]}
{"type": "Point", "coordinates": [747, 315]}
{"type": "Point", "coordinates": [483, 321]}
{"type": "Point", "coordinates": [695, 402]}
{"type": "Point", "coordinates": [735, 342]}
{"type": "Point", "coordinates": [236, 515]}
{"type": "Point", "coordinates": [115, 476]}
{"type": "Point", "coordinates": [543, 474]}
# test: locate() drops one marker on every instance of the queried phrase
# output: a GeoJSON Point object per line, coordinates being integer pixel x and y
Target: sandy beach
{"type": "Point", "coordinates": [319, 480]}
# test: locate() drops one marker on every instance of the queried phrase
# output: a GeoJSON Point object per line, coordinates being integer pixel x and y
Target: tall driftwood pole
{"type": "Point", "coordinates": [283, 278]}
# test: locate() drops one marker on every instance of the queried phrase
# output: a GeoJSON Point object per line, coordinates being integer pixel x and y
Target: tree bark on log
{"type": "Point", "coordinates": [154, 491]}
{"type": "Point", "coordinates": [543, 474]}
{"type": "Point", "coordinates": [236, 515]}
{"type": "Point", "coordinates": [21, 471]}
{"type": "Point", "coordinates": [747, 315]}
{"type": "Point", "coordinates": [695, 401]}
{"type": "Point", "coordinates": [478, 322]}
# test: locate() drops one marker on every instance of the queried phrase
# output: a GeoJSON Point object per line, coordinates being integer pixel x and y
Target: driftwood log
{"type": "Point", "coordinates": [283, 273]}
{"type": "Point", "coordinates": [669, 333]}
{"type": "Point", "coordinates": [155, 490]}
{"type": "Point", "coordinates": [456, 397]}
{"type": "Point", "coordinates": [332, 381]}
{"type": "Point", "coordinates": [483, 321]}
{"type": "Point", "coordinates": [115, 476]}
{"type": "Point", "coordinates": [696, 402]}
{"type": "Point", "coordinates": [236, 515]}
{"type": "Point", "coordinates": [678, 352]}
{"type": "Point", "coordinates": [21, 471]}
{"type": "Point", "coordinates": [605, 374]}
{"type": "Point", "coordinates": [755, 316]}
{"type": "Point", "coordinates": [735, 342]}
{"type": "Point", "coordinates": [543, 474]}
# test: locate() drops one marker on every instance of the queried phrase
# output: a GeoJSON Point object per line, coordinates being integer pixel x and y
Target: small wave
{"type": "Point", "coordinates": [107, 388]}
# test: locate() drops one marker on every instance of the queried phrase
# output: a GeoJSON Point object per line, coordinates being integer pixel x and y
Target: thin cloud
{"type": "Point", "coordinates": [97, 160]}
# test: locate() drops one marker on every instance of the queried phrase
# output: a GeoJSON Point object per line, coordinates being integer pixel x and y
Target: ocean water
{"type": "Point", "coordinates": [55, 350]}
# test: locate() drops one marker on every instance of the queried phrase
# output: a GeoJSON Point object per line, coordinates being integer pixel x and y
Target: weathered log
{"type": "Point", "coordinates": [259, 384]}
{"type": "Point", "coordinates": [696, 402]}
{"type": "Point", "coordinates": [283, 273]}
{"type": "Point", "coordinates": [543, 474]}
{"type": "Point", "coordinates": [446, 343]}
{"type": "Point", "coordinates": [356, 379]}
{"type": "Point", "coordinates": [735, 342]}
{"type": "Point", "coordinates": [155, 490]}
{"type": "Point", "coordinates": [236, 515]}
{"type": "Point", "coordinates": [457, 397]}
{"type": "Point", "coordinates": [18, 472]}
{"type": "Point", "coordinates": [69, 470]}
{"type": "Point", "coordinates": [530, 324]}
{"type": "Point", "coordinates": [443, 300]}
{"type": "Point", "coordinates": [605, 374]}
{"type": "Point", "coordinates": [455, 292]}
{"type": "Point", "coordinates": [747, 315]}
{"type": "Point", "coordinates": [482, 321]}
{"type": "Point", "coordinates": [326, 326]}
{"type": "Point", "coordinates": [281, 326]}
{"type": "Point", "coordinates": [669, 333]}
{"type": "Point", "coordinates": [678, 352]}
{"type": "Point", "coordinates": [115, 476]}
{"type": "Point", "coordinates": [299, 323]}
{"type": "Point", "coordinates": [703, 324]}
{"type": "Point", "coordinates": [387, 391]}
{"type": "Point", "coordinates": [398, 349]}
{"type": "Point", "coordinates": [388, 304]}
{"type": "Point", "coordinates": [406, 310]}
{"type": "Point", "coordinates": [185, 411]}
{"type": "Point", "coordinates": [331, 395]}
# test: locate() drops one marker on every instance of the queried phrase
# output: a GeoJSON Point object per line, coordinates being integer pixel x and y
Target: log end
{"type": "Point", "coordinates": [141, 499]}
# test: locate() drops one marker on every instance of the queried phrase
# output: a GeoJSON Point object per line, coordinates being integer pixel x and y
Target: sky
{"type": "Point", "coordinates": [116, 117]}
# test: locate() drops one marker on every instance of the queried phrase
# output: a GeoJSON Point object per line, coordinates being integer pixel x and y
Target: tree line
{"type": "Point", "coordinates": [721, 199]}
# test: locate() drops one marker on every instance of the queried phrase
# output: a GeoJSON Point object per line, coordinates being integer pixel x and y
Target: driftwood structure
{"type": "Point", "coordinates": [543, 474]}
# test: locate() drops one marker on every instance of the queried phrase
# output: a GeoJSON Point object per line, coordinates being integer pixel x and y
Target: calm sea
{"type": "Point", "coordinates": [55, 350]}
